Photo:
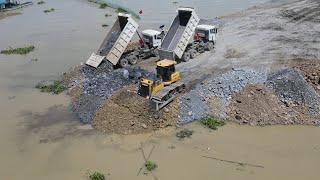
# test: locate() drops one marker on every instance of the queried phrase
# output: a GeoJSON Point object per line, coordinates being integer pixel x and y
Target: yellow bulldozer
{"type": "Point", "coordinates": [162, 87]}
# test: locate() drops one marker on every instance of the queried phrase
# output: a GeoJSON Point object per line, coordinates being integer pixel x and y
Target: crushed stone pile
{"type": "Point", "coordinates": [291, 87]}
{"type": "Point", "coordinates": [194, 103]}
{"type": "Point", "coordinates": [96, 85]}
{"type": "Point", "coordinates": [125, 112]}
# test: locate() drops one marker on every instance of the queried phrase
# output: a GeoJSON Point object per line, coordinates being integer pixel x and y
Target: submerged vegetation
{"type": "Point", "coordinates": [49, 10]}
{"type": "Point", "coordinates": [20, 51]}
{"type": "Point", "coordinates": [56, 87]}
{"type": "Point", "coordinates": [102, 5]}
{"type": "Point", "coordinates": [96, 176]}
{"type": "Point", "coordinates": [150, 166]}
{"type": "Point", "coordinates": [185, 133]}
{"type": "Point", "coordinates": [121, 10]}
{"type": "Point", "coordinates": [40, 2]}
{"type": "Point", "coordinates": [212, 123]}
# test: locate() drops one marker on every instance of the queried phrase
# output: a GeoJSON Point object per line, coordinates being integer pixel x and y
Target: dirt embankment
{"type": "Point", "coordinates": [125, 112]}
{"type": "Point", "coordinates": [258, 105]}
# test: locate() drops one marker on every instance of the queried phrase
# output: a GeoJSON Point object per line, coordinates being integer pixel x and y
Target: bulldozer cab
{"type": "Point", "coordinates": [167, 71]}
{"type": "Point", "coordinates": [150, 86]}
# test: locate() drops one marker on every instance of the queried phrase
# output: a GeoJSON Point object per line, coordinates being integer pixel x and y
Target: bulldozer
{"type": "Point", "coordinates": [161, 88]}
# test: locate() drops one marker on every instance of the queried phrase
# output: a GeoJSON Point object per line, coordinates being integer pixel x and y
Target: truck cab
{"type": "Point", "coordinates": [152, 38]}
{"type": "Point", "coordinates": [207, 32]}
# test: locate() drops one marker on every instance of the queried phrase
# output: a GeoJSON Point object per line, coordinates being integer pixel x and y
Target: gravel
{"type": "Point", "coordinates": [98, 85]}
{"type": "Point", "coordinates": [194, 103]}
{"type": "Point", "coordinates": [292, 88]}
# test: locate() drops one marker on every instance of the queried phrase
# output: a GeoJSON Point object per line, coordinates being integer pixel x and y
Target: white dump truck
{"type": "Point", "coordinates": [115, 50]}
{"type": "Point", "coordinates": [186, 38]}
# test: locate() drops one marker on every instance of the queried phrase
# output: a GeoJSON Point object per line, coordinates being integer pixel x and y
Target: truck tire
{"type": "Point", "coordinates": [186, 57]}
{"type": "Point", "coordinates": [123, 63]}
{"type": "Point", "coordinates": [193, 53]}
{"type": "Point", "coordinates": [133, 59]}
{"type": "Point", "coordinates": [209, 46]}
{"type": "Point", "coordinates": [155, 53]}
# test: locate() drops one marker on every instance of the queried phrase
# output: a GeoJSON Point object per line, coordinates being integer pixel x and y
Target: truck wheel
{"type": "Point", "coordinates": [210, 46]}
{"type": "Point", "coordinates": [186, 57]}
{"type": "Point", "coordinates": [155, 53]}
{"type": "Point", "coordinates": [124, 63]}
{"type": "Point", "coordinates": [193, 53]}
{"type": "Point", "coordinates": [133, 60]}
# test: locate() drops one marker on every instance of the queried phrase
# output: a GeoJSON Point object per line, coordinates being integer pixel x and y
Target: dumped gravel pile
{"type": "Point", "coordinates": [99, 84]}
{"type": "Point", "coordinates": [194, 103]}
{"type": "Point", "coordinates": [291, 87]}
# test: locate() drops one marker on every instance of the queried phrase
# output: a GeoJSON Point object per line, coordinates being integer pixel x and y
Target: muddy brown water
{"type": "Point", "coordinates": [40, 139]}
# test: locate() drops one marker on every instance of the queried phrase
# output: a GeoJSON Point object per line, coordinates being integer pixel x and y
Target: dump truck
{"type": "Point", "coordinates": [161, 88]}
{"type": "Point", "coordinates": [115, 49]}
{"type": "Point", "coordinates": [185, 38]}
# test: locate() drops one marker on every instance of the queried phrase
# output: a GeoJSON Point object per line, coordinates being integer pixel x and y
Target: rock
{"type": "Point", "coordinates": [144, 126]}
{"type": "Point", "coordinates": [166, 110]}
{"type": "Point", "coordinates": [238, 117]}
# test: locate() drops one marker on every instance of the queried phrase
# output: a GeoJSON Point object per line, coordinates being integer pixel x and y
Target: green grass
{"type": "Point", "coordinates": [185, 133]}
{"type": "Point", "coordinates": [212, 123]}
{"type": "Point", "coordinates": [20, 51]}
{"type": "Point", "coordinates": [96, 176]}
{"type": "Point", "coordinates": [150, 166]}
{"type": "Point", "coordinates": [49, 10]}
{"type": "Point", "coordinates": [56, 88]}
{"type": "Point", "coordinates": [40, 2]}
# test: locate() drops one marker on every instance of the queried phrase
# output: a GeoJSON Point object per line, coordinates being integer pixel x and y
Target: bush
{"type": "Point", "coordinates": [20, 51]}
{"type": "Point", "coordinates": [212, 123]}
{"type": "Point", "coordinates": [56, 88]}
{"type": "Point", "coordinates": [96, 176]}
{"type": "Point", "coordinates": [150, 166]}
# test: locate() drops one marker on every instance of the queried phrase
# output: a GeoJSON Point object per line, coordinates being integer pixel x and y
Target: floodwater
{"type": "Point", "coordinates": [40, 139]}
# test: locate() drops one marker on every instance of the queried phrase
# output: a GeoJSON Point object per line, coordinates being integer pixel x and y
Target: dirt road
{"type": "Point", "coordinates": [267, 35]}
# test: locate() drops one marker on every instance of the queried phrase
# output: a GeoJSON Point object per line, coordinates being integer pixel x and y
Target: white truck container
{"type": "Point", "coordinates": [116, 41]}
{"type": "Point", "coordinates": [179, 34]}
